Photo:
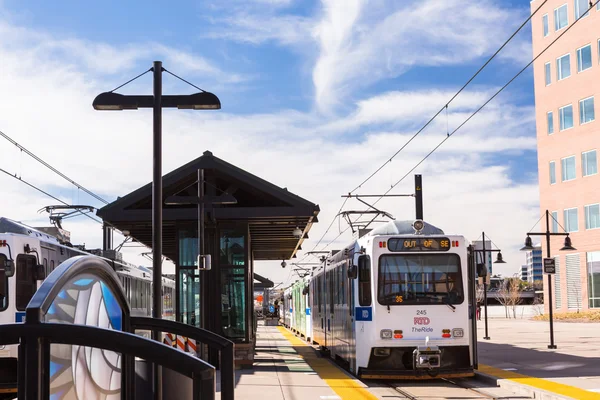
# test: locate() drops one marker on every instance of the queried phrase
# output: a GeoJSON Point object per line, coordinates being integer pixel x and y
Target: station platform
{"type": "Point", "coordinates": [517, 358]}
{"type": "Point", "coordinates": [286, 367]}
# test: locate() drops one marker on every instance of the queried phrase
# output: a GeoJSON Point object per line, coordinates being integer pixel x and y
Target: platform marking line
{"type": "Point", "coordinates": [343, 385]}
{"type": "Point", "coordinates": [544, 384]}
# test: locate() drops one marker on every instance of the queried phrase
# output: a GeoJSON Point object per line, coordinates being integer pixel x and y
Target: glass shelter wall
{"type": "Point", "coordinates": [234, 283]}
{"type": "Point", "coordinates": [189, 279]}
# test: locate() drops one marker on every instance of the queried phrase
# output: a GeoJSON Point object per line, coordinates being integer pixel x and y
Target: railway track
{"type": "Point", "coordinates": [440, 389]}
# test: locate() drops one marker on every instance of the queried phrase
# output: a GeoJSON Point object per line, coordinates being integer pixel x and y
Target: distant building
{"type": "Point", "coordinates": [568, 140]}
{"type": "Point", "coordinates": [478, 245]}
{"type": "Point", "coordinates": [535, 268]}
{"type": "Point", "coordinates": [525, 273]}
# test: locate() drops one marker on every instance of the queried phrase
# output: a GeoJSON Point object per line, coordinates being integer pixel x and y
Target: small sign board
{"type": "Point", "coordinates": [549, 266]}
{"type": "Point", "coordinates": [363, 314]}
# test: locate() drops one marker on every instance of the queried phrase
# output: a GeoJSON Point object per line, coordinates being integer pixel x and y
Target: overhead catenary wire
{"type": "Point", "coordinates": [448, 135]}
{"type": "Point", "coordinates": [31, 185]}
{"type": "Point", "coordinates": [445, 107]}
{"type": "Point", "coordinates": [51, 168]}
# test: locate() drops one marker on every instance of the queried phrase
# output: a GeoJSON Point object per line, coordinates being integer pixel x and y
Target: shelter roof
{"type": "Point", "coordinates": [271, 212]}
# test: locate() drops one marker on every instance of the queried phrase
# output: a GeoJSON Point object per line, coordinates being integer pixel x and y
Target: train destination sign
{"type": "Point", "coordinates": [419, 244]}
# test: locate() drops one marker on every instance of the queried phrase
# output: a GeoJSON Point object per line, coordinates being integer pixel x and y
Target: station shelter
{"type": "Point", "coordinates": [258, 225]}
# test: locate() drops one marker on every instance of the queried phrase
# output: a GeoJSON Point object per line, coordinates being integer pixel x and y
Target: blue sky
{"type": "Point", "coordinates": [325, 90]}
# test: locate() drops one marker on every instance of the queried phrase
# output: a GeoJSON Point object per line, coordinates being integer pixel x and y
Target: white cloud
{"type": "Point", "coordinates": [48, 110]}
{"type": "Point", "coordinates": [257, 28]}
{"type": "Point", "coordinates": [388, 38]}
{"type": "Point", "coordinates": [100, 58]}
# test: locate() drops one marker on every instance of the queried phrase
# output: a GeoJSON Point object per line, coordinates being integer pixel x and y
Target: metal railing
{"type": "Point", "coordinates": [34, 352]}
{"type": "Point", "coordinates": [217, 342]}
{"type": "Point", "coordinates": [36, 335]}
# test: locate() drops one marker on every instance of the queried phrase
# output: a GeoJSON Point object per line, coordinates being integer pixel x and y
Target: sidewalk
{"type": "Point", "coordinates": [520, 347]}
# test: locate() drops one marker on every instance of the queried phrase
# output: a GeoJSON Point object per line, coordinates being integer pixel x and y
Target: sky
{"type": "Point", "coordinates": [315, 95]}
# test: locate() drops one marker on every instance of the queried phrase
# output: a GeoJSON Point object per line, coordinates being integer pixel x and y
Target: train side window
{"type": "Point", "coordinates": [364, 280]}
{"type": "Point", "coordinates": [46, 266]}
{"type": "Point", "coordinates": [3, 284]}
{"type": "Point", "coordinates": [51, 265]}
{"type": "Point", "coordinates": [26, 284]}
{"type": "Point", "coordinates": [331, 287]}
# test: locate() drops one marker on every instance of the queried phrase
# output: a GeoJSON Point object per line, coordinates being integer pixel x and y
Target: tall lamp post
{"type": "Point", "coordinates": [483, 273]}
{"type": "Point", "coordinates": [549, 264]}
{"type": "Point", "coordinates": [115, 101]}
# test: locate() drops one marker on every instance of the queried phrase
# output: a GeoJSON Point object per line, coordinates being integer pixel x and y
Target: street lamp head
{"type": "Point", "coordinates": [199, 101]}
{"type": "Point", "coordinates": [528, 245]}
{"type": "Point", "coordinates": [110, 101]}
{"type": "Point", "coordinates": [567, 246]}
{"type": "Point", "coordinates": [499, 259]}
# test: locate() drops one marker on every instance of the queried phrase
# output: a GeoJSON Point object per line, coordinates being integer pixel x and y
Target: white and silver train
{"type": "Point", "coordinates": [393, 304]}
{"type": "Point", "coordinates": [28, 255]}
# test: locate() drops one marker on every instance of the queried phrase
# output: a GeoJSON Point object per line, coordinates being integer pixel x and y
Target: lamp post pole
{"type": "Point", "coordinates": [486, 337]}
{"type": "Point", "coordinates": [157, 215]}
{"type": "Point", "coordinates": [157, 195]}
{"type": "Point", "coordinates": [551, 264]}
{"type": "Point", "coordinates": [551, 345]}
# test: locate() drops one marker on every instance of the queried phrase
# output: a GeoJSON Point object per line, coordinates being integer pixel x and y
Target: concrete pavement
{"type": "Point", "coordinates": [521, 346]}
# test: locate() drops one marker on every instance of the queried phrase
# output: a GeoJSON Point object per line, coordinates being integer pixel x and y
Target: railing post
{"type": "Point", "coordinates": [227, 373]}
{"type": "Point", "coordinates": [204, 388]}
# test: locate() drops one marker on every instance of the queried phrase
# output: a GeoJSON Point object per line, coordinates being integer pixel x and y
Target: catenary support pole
{"type": "Point", "coordinates": [419, 196]}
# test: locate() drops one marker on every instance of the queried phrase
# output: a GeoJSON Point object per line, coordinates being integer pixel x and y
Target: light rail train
{"type": "Point", "coordinates": [28, 255]}
{"type": "Point", "coordinates": [394, 304]}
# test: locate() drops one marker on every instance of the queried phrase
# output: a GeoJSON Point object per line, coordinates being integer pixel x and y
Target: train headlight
{"type": "Point", "coordinates": [386, 334]}
{"type": "Point", "coordinates": [418, 225]}
{"type": "Point", "coordinates": [458, 332]}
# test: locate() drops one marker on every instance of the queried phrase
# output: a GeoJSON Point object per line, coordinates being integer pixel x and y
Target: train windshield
{"type": "Point", "coordinates": [411, 279]}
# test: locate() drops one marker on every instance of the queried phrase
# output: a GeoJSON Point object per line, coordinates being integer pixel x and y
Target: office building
{"type": "Point", "coordinates": [567, 90]}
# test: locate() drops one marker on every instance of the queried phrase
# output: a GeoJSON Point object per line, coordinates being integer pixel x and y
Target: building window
{"type": "Point", "coordinates": [566, 117]}
{"type": "Point", "coordinates": [592, 216]}
{"type": "Point", "coordinates": [571, 223]}
{"type": "Point", "coordinates": [568, 168]}
{"type": "Point", "coordinates": [550, 119]}
{"type": "Point", "coordinates": [589, 164]}
{"type": "Point", "coordinates": [545, 24]}
{"type": "Point", "coordinates": [593, 267]}
{"type": "Point", "coordinates": [584, 58]}
{"type": "Point", "coordinates": [547, 75]}
{"type": "Point", "coordinates": [563, 67]}
{"type": "Point", "coordinates": [552, 172]}
{"type": "Point", "coordinates": [586, 110]}
{"type": "Point", "coordinates": [554, 221]}
{"type": "Point", "coordinates": [581, 8]}
{"type": "Point", "coordinates": [560, 17]}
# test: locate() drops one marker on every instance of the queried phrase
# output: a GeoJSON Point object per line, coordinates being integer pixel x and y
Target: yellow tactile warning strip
{"type": "Point", "coordinates": [342, 384]}
{"type": "Point", "coordinates": [554, 387]}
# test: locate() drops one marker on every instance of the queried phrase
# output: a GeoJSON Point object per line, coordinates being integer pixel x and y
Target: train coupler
{"type": "Point", "coordinates": [427, 357]}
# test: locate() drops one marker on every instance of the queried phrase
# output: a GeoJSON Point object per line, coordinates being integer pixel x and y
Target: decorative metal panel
{"type": "Point", "coordinates": [78, 372]}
